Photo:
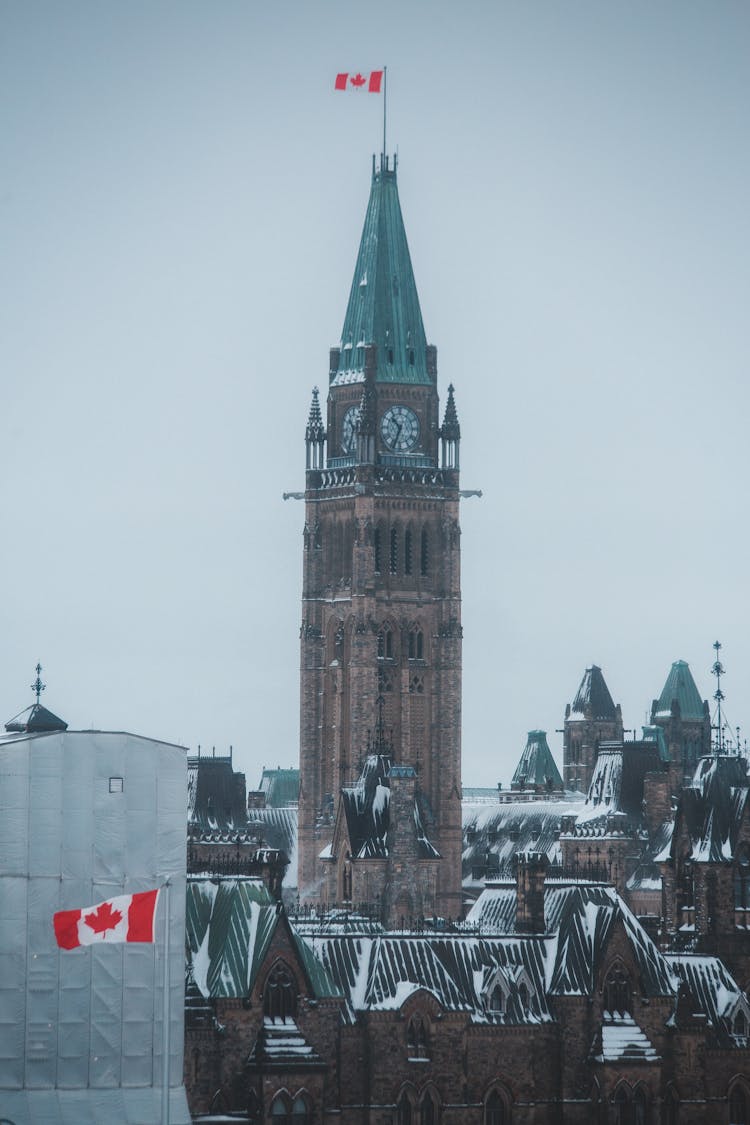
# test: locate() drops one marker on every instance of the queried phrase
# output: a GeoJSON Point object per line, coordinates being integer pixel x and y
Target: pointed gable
{"type": "Point", "coordinates": [680, 688]}
{"type": "Point", "coordinates": [383, 306]}
{"type": "Point", "coordinates": [592, 698]}
{"type": "Point", "coordinates": [537, 768]}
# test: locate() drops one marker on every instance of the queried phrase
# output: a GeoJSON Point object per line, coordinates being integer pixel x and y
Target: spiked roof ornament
{"type": "Point", "coordinates": [451, 430]}
{"type": "Point", "coordinates": [35, 719]}
{"type": "Point", "coordinates": [315, 430]}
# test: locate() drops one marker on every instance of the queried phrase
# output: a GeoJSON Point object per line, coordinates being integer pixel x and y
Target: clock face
{"type": "Point", "coordinates": [349, 429]}
{"type": "Point", "coordinates": [399, 428]}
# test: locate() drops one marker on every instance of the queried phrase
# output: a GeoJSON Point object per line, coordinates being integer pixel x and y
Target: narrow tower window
{"type": "Point", "coordinates": [407, 552]}
{"type": "Point", "coordinates": [394, 550]}
{"type": "Point", "coordinates": [378, 549]}
{"type": "Point", "coordinates": [425, 554]}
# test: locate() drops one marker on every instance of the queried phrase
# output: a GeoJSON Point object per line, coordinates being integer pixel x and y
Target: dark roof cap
{"type": "Point", "coordinates": [33, 720]}
{"type": "Point", "coordinates": [593, 697]}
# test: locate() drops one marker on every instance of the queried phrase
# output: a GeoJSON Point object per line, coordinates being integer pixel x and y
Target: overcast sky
{"type": "Point", "coordinates": [181, 198]}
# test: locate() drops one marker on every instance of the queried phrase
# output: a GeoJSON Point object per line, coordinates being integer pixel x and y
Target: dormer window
{"type": "Point", "coordinates": [280, 994]}
{"type": "Point", "coordinates": [416, 1038]}
{"type": "Point", "coordinates": [496, 1001]}
{"type": "Point", "coordinates": [617, 992]}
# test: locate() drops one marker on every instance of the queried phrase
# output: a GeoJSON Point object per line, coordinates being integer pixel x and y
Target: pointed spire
{"type": "Point", "coordinates": [537, 768]}
{"type": "Point", "coordinates": [680, 688]}
{"type": "Point", "coordinates": [314, 430]}
{"type": "Point", "coordinates": [593, 699]}
{"type": "Point", "coordinates": [315, 434]}
{"type": "Point", "coordinates": [451, 429]}
{"type": "Point", "coordinates": [383, 306]}
{"type": "Point", "coordinates": [450, 433]}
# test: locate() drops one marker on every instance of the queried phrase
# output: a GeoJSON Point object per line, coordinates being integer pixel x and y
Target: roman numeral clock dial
{"type": "Point", "coordinates": [399, 429]}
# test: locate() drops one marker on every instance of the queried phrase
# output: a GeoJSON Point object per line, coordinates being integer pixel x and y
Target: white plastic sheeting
{"type": "Point", "coordinates": [81, 1030]}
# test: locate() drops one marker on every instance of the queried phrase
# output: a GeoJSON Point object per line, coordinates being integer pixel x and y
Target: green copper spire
{"type": "Point", "coordinates": [680, 686]}
{"type": "Point", "coordinates": [383, 304]}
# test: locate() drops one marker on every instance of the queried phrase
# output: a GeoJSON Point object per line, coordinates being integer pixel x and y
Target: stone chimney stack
{"type": "Point", "coordinates": [531, 872]}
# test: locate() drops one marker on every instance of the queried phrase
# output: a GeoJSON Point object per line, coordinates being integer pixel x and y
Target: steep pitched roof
{"type": "Point", "coordinates": [713, 807]}
{"type": "Point", "coordinates": [593, 697]}
{"type": "Point", "coordinates": [536, 766]}
{"type": "Point", "coordinates": [229, 925]}
{"type": "Point", "coordinates": [281, 787]}
{"type": "Point", "coordinates": [494, 833]}
{"type": "Point", "coordinates": [383, 304]}
{"type": "Point", "coordinates": [680, 686]}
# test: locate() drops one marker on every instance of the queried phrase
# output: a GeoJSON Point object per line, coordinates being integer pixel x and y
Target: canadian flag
{"type": "Point", "coordinates": [122, 918]}
{"type": "Point", "coordinates": [370, 82]}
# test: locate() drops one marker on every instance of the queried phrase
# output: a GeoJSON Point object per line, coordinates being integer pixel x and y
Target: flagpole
{"type": "Point", "coordinates": [166, 1013]}
{"type": "Point", "coordinates": [385, 103]}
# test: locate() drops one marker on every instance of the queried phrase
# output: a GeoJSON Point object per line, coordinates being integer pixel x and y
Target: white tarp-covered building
{"type": "Point", "coordinates": [84, 816]}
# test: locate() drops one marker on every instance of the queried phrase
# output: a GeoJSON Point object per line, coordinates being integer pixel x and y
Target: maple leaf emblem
{"type": "Point", "coordinates": [103, 918]}
{"type": "Point", "coordinates": [357, 80]}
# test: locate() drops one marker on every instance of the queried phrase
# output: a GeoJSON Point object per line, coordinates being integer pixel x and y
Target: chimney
{"type": "Point", "coordinates": [530, 875]}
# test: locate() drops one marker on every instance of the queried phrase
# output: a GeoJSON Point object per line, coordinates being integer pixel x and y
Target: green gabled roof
{"type": "Point", "coordinates": [680, 685]}
{"type": "Point", "coordinates": [537, 766]}
{"type": "Point", "coordinates": [383, 304]}
{"type": "Point", "coordinates": [229, 926]}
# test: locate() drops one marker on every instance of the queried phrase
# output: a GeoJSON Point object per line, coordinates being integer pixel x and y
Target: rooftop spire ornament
{"type": "Point", "coordinates": [718, 671]}
{"type": "Point", "coordinates": [38, 686]}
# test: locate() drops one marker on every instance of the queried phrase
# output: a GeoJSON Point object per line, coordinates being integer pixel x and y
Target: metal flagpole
{"type": "Point", "coordinates": [385, 102]}
{"type": "Point", "coordinates": [166, 1021]}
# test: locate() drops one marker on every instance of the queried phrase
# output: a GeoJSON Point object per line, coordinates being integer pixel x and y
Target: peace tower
{"type": "Point", "coordinates": [380, 729]}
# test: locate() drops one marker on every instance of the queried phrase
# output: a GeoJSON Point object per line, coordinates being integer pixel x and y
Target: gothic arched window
{"type": "Point", "coordinates": [621, 1107]}
{"type": "Point", "coordinates": [301, 1113]}
{"type": "Point", "coordinates": [416, 644]}
{"type": "Point", "coordinates": [404, 1110]}
{"type": "Point", "coordinates": [280, 994]}
{"type": "Point", "coordinates": [640, 1107]}
{"type": "Point", "coordinates": [393, 561]}
{"type": "Point", "coordinates": [494, 1110]}
{"type": "Point", "coordinates": [385, 643]}
{"type": "Point", "coordinates": [280, 1114]}
{"type": "Point", "coordinates": [617, 993]}
{"type": "Point", "coordinates": [428, 1110]}
{"type": "Point", "coordinates": [738, 1107]}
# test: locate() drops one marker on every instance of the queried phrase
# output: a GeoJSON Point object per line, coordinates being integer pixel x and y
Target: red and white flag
{"type": "Point", "coordinates": [122, 918]}
{"type": "Point", "coordinates": [370, 82]}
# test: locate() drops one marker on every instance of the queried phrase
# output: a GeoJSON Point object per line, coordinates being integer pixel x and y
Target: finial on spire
{"type": "Point", "coordinates": [718, 671]}
{"type": "Point", "coordinates": [315, 434]}
{"type": "Point", "coordinates": [37, 685]}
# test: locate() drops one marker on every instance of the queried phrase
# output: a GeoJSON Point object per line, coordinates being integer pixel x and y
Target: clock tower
{"type": "Point", "coordinates": [380, 738]}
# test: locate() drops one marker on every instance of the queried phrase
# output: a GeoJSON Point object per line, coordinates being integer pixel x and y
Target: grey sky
{"type": "Point", "coordinates": [181, 199]}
